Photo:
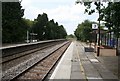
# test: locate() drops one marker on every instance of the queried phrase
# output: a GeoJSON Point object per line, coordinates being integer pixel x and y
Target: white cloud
{"type": "Point", "coordinates": [68, 15]}
{"type": "Point", "coordinates": [64, 13]}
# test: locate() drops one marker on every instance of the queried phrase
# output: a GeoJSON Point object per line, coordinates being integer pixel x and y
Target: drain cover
{"type": "Point", "coordinates": [88, 49]}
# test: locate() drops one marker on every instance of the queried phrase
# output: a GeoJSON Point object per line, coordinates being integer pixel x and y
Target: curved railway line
{"type": "Point", "coordinates": [35, 64]}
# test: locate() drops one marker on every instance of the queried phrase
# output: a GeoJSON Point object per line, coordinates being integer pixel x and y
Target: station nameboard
{"type": "Point", "coordinates": [94, 26]}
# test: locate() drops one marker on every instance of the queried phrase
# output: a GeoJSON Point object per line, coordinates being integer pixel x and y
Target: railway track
{"type": "Point", "coordinates": [21, 54]}
{"type": "Point", "coordinates": [15, 59]}
{"type": "Point", "coordinates": [39, 69]}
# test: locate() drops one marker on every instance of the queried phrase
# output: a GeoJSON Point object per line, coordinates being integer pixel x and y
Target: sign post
{"type": "Point", "coordinates": [95, 28]}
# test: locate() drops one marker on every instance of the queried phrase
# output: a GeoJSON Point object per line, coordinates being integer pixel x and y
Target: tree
{"type": "Point", "coordinates": [47, 29]}
{"type": "Point", "coordinates": [50, 30]}
{"type": "Point", "coordinates": [39, 26]}
{"type": "Point", "coordinates": [70, 36]}
{"type": "Point", "coordinates": [83, 31]}
{"type": "Point", "coordinates": [62, 32]}
{"type": "Point", "coordinates": [109, 14]}
{"type": "Point", "coordinates": [89, 10]}
{"type": "Point", "coordinates": [54, 31]}
{"type": "Point", "coordinates": [13, 26]}
{"type": "Point", "coordinates": [29, 22]}
{"type": "Point", "coordinates": [112, 17]}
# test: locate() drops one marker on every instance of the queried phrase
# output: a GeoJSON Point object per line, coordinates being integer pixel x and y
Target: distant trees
{"type": "Point", "coordinates": [46, 29]}
{"type": "Point", "coordinates": [83, 31]}
{"type": "Point", "coordinates": [39, 26]}
{"type": "Point", "coordinates": [70, 36]}
{"type": "Point", "coordinates": [14, 27]}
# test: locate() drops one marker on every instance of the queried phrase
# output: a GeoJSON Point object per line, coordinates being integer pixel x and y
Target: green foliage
{"type": "Point", "coordinates": [39, 26]}
{"type": "Point", "coordinates": [47, 29]}
{"type": "Point", "coordinates": [109, 13]}
{"type": "Point", "coordinates": [116, 19]}
{"type": "Point", "coordinates": [28, 22]}
{"type": "Point", "coordinates": [70, 36]}
{"type": "Point", "coordinates": [112, 17]}
{"type": "Point", "coordinates": [83, 31]}
{"type": "Point", "coordinates": [13, 26]}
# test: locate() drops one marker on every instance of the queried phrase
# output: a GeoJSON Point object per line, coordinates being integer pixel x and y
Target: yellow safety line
{"type": "Point", "coordinates": [81, 66]}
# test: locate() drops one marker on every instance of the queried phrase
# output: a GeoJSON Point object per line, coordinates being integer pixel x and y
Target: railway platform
{"type": "Point", "coordinates": [76, 64]}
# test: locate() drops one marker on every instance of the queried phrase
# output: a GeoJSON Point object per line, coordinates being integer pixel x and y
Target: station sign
{"type": "Point", "coordinates": [94, 26]}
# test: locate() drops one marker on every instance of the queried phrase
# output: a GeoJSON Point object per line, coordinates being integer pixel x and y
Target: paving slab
{"type": "Point", "coordinates": [111, 63]}
{"type": "Point", "coordinates": [77, 71]}
{"type": "Point", "coordinates": [96, 66]}
{"type": "Point", "coordinates": [78, 65]}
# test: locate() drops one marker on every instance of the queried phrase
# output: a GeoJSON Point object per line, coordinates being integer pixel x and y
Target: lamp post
{"type": "Point", "coordinates": [95, 28]}
{"type": "Point", "coordinates": [98, 48]}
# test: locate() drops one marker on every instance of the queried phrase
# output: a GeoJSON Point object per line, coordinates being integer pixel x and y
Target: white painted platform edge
{"type": "Point", "coordinates": [53, 76]}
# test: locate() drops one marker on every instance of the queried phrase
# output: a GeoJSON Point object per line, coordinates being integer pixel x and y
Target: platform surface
{"type": "Point", "coordinates": [63, 70]}
{"type": "Point", "coordinates": [76, 64]}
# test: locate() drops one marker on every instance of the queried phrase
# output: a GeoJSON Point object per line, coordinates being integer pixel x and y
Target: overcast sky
{"type": "Point", "coordinates": [65, 12]}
